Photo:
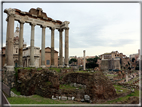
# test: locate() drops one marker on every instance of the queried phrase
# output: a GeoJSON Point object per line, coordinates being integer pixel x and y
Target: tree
{"type": "Point", "coordinates": [72, 60]}
{"type": "Point", "coordinates": [92, 62]}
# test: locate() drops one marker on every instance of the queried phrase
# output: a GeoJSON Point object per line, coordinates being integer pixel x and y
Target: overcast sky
{"type": "Point", "coordinates": [95, 27]}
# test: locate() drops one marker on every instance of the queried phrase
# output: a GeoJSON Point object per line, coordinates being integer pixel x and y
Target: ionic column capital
{"type": "Point", "coordinates": [32, 23]}
{"type": "Point", "coordinates": [43, 26]}
{"type": "Point", "coordinates": [52, 28]}
{"type": "Point", "coordinates": [21, 21]}
{"type": "Point", "coordinates": [66, 28]}
{"type": "Point", "coordinates": [10, 12]}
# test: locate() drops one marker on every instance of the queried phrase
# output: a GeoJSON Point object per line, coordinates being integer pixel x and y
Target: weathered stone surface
{"type": "Point", "coordinates": [43, 82]}
{"type": "Point", "coordinates": [97, 85]}
{"type": "Point", "coordinates": [63, 98]}
{"type": "Point", "coordinates": [69, 98]}
{"type": "Point", "coordinates": [87, 98]}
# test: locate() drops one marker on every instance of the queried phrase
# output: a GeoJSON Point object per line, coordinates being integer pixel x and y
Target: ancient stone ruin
{"type": "Point", "coordinates": [46, 83]}
{"type": "Point", "coordinates": [34, 17]}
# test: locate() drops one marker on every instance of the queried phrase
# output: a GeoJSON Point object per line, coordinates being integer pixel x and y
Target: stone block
{"type": "Point", "coordinates": [63, 98]}
{"type": "Point", "coordinates": [69, 98]}
{"type": "Point", "coordinates": [132, 90]}
{"type": "Point", "coordinates": [87, 98]}
{"type": "Point", "coordinates": [71, 84]}
{"type": "Point", "coordinates": [73, 98]}
{"type": "Point", "coordinates": [74, 85]}
{"type": "Point", "coordinates": [84, 86]}
{"type": "Point", "coordinates": [120, 90]}
{"type": "Point", "coordinates": [53, 97]}
{"type": "Point", "coordinates": [59, 97]}
{"type": "Point", "coordinates": [82, 100]}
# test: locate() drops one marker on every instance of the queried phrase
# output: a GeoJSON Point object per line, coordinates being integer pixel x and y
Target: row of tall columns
{"type": "Point", "coordinates": [9, 45]}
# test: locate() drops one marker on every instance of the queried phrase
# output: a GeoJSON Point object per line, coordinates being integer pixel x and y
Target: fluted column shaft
{"type": "Point", "coordinates": [10, 35]}
{"type": "Point", "coordinates": [52, 47]}
{"type": "Point", "coordinates": [60, 48]}
{"type": "Point", "coordinates": [66, 47]}
{"type": "Point", "coordinates": [32, 46]}
{"type": "Point", "coordinates": [20, 56]}
{"type": "Point", "coordinates": [43, 47]}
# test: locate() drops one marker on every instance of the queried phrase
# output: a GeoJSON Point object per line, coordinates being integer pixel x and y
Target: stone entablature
{"type": "Point", "coordinates": [35, 17]}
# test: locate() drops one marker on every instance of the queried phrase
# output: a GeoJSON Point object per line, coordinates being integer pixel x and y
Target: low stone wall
{"type": "Point", "coordinates": [77, 93]}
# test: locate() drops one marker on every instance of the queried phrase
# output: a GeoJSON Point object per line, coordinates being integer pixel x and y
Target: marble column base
{"type": "Point", "coordinates": [10, 68]}
{"type": "Point", "coordinates": [31, 65]}
{"type": "Point", "coordinates": [20, 65]}
{"type": "Point", "coordinates": [42, 66]}
{"type": "Point", "coordinates": [67, 66]}
{"type": "Point", "coordinates": [61, 66]}
{"type": "Point", "coordinates": [52, 66]}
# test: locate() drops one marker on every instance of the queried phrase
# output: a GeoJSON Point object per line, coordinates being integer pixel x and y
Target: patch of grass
{"type": "Point", "coordinates": [15, 91]}
{"type": "Point", "coordinates": [136, 93]}
{"type": "Point", "coordinates": [36, 99]}
{"type": "Point", "coordinates": [118, 87]}
{"type": "Point", "coordinates": [16, 71]}
{"type": "Point", "coordinates": [29, 68]}
{"type": "Point", "coordinates": [56, 69]}
{"type": "Point", "coordinates": [39, 69]}
{"type": "Point", "coordinates": [83, 71]}
{"type": "Point", "coordinates": [118, 100]}
{"type": "Point", "coordinates": [68, 68]}
{"type": "Point", "coordinates": [131, 81]}
{"type": "Point", "coordinates": [48, 83]}
{"type": "Point", "coordinates": [112, 75]}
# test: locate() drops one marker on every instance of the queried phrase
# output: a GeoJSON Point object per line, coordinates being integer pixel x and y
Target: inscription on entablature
{"type": "Point", "coordinates": [17, 17]}
{"type": "Point", "coordinates": [29, 19]}
{"type": "Point", "coordinates": [38, 21]}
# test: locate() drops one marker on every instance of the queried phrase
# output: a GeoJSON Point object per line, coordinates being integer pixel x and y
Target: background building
{"type": "Point", "coordinates": [48, 57]}
{"type": "Point", "coordinates": [26, 56]}
{"type": "Point", "coordinates": [15, 48]}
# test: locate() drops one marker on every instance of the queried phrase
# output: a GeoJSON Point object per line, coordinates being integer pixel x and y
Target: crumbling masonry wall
{"type": "Point", "coordinates": [110, 64]}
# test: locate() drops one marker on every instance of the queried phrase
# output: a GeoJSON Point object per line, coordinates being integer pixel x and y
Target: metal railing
{"type": "Point", "coordinates": [6, 89]}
